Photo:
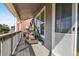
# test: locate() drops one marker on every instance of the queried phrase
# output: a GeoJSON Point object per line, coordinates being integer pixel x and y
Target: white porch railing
{"type": "Point", "coordinates": [9, 42]}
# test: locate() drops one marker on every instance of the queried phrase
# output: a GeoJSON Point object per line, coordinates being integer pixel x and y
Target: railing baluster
{"type": "Point", "coordinates": [11, 45]}
{"type": "Point", "coordinates": [1, 46]}
{"type": "Point", "coordinates": [6, 36]}
{"type": "Point", "coordinates": [21, 35]}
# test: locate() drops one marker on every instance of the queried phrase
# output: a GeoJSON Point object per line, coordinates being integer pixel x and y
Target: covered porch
{"type": "Point", "coordinates": [12, 43]}
{"type": "Point", "coordinates": [59, 32]}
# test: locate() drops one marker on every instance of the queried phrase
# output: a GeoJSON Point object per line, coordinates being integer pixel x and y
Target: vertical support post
{"type": "Point", "coordinates": [19, 39]}
{"type": "Point", "coordinates": [44, 20]}
{"type": "Point", "coordinates": [1, 46]}
{"type": "Point", "coordinates": [74, 33]}
{"type": "Point", "coordinates": [20, 34]}
{"type": "Point", "coordinates": [15, 24]}
{"type": "Point", "coordinates": [11, 45]}
{"type": "Point", "coordinates": [53, 27]}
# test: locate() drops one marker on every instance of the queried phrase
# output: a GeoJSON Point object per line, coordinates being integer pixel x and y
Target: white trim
{"type": "Point", "coordinates": [76, 28]}
{"type": "Point", "coordinates": [75, 6]}
{"type": "Point", "coordinates": [15, 24]}
{"type": "Point", "coordinates": [53, 25]}
{"type": "Point", "coordinates": [44, 20]}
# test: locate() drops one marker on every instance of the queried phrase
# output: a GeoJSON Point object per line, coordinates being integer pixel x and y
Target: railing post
{"type": "Point", "coordinates": [21, 35]}
{"type": "Point", "coordinates": [1, 45]}
{"type": "Point", "coordinates": [18, 36]}
{"type": "Point", "coordinates": [11, 45]}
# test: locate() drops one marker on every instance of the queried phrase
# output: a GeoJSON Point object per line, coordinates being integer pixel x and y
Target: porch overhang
{"type": "Point", "coordinates": [24, 11]}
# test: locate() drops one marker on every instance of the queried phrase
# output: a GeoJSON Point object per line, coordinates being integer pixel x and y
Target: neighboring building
{"type": "Point", "coordinates": [23, 25]}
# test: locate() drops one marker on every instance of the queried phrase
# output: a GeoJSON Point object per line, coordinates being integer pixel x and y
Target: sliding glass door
{"type": "Point", "coordinates": [65, 29]}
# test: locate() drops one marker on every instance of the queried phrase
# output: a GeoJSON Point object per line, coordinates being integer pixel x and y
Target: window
{"type": "Point", "coordinates": [42, 23]}
{"type": "Point", "coordinates": [63, 18]}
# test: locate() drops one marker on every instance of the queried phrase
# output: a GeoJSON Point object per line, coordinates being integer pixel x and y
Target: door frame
{"type": "Point", "coordinates": [74, 33]}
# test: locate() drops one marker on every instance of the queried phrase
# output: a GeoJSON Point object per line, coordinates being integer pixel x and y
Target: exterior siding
{"type": "Point", "coordinates": [48, 27]}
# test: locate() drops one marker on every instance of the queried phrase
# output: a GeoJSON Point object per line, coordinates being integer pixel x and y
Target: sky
{"type": "Point", "coordinates": [6, 16]}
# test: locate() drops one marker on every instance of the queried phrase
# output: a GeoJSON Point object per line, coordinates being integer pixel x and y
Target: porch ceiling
{"type": "Point", "coordinates": [26, 10]}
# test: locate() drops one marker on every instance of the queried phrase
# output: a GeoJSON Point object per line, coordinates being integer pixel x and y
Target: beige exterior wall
{"type": "Point", "coordinates": [52, 38]}
{"type": "Point", "coordinates": [48, 27]}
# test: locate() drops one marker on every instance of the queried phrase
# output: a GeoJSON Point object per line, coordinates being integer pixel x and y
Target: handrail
{"type": "Point", "coordinates": [9, 34]}
{"type": "Point", "coordinates": [13, 42]}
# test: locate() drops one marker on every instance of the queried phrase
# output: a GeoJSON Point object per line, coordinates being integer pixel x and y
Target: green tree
{"type": "Point", "coordinates": [4, 28]}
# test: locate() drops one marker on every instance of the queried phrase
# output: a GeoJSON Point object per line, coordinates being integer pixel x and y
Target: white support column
{"type": "Point", "coordinates": [15, 24]}
{"type": "Point", "coordinates": [44, 20]}
{"type": "Point", "coordinates": [74, 22]}
{"type": "Point", "coordinates": [53, 25]}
